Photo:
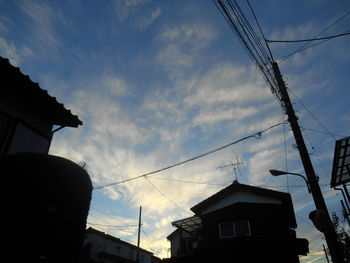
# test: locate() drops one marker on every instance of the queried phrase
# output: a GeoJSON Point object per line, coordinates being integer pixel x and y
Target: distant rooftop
{"type": "Point", "coordinates": [20, 87]}
{"type": "Point", "coordinates": [190, 224]}
{"type": "Point", "coordinates": [91, 230]}
{"type": "Point", "coordinates": [236, 187]}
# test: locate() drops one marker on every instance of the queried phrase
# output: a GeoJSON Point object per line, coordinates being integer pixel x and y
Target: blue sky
{"type": "Point", "coordinates": [158, 82]}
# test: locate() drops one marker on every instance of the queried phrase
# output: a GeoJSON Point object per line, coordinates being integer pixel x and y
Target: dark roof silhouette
{"type": "Point", "coordinates": [20, 87]}
{"type": "Point", "coordinates": [91, 230]}
{"type": "Point", "coordinates": [237, 187]}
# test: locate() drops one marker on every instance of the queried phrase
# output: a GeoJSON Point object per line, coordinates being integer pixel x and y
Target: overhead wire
{"type": "Point", "coordinates": [307, 40]}
{"type": "Point", "coordinates": [255, 135]}
{"type": "Point", "coordinates": [313, 130]}
{"type": "Point", "coordinates": [261, 32]}
{"type": "Point", "coordinates": [205, 183]}
{"type": "Point", "coordinates": [285, 151]}
{"type": "Point", "coordinates": [111, 225]}
{"type": "Point", "coordinates": [303, 47]}
{"type": "Point", "coordinates": [166, 197]}
{"type": "Point", "coordinates": [312, 115]}
{"type": "Point", "coordinates": [186, 181]}
{"type": "Point", "coordinates": [249, 39]}
{"type": "Point", "coordinates": [149, 241]}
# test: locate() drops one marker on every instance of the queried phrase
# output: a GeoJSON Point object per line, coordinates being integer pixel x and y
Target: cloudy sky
{"type": "Point", "coordinates": [157, 82]}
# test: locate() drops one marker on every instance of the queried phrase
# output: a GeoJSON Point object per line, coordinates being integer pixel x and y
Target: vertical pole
{"type": "Point", "coordinates": [138, 238]}
{"type": "Point", "coordinates": [325, 252]}
{"type": "Point", "coordinates": [330, 235]}
{"type": "Point", "coordinates": [345, 212]}
{"type": "Point", "coordinates": [346, 192]}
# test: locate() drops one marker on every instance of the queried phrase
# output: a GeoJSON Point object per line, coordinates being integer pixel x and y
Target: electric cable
{"type": "Point", "coordinates": [261, 32]}
{"type": "Point", "coordinates": [301, 50]}
{"type": "Point", "coordinates": [285, 151]}
{"type": "Point", "coordinates": [193, 182]}
{"type": "Point", "coordinates": [255, 135]}
{"type": "Point", "coordinates": [171, 201]}
{"type": "Point", "coordinates": [149, 241]}
{"type": "Point", "coordinates": [110, 225]}
{"type": "Point", "coordinates": [185, 181]}
{"type": "Point", "coordinates": [313, 130]}
{"type": "Point", "coordinates": [312, 115]}
{"type": "Point", "coordinates": [303, 47]}
{"type": "Point", "coordinates": [249, 39]}
{"type": "Point", "coordinates": [307, 40]}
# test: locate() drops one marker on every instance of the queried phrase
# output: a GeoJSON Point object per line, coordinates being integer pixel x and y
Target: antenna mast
{"type": "Point", "coordinates": [235, 166]}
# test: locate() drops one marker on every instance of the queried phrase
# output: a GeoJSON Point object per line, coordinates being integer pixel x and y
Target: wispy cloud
{"type": "Point", "coordinates": [127, 8]}
{"type": "Point", "coordinates": [181, 44]}
{"type": "Point", "coordinates": [45, 21]}
{"type": "Point", "coordinates": [146, 20]}
{"type": "Point", "coordinates": [14, 54]}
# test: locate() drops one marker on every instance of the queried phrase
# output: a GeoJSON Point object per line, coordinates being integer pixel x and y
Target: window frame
{"type": "Point", "coordinates": [221, 232]}
{"type": "Point", "coordinates": [234, 229]}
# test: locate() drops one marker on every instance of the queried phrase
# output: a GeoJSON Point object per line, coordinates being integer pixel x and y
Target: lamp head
{"type": "Point", "coordinates": [277, 172]}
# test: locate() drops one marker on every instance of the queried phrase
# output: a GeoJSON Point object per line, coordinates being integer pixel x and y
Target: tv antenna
{"type": "Point", "coordinates": [235, 166]}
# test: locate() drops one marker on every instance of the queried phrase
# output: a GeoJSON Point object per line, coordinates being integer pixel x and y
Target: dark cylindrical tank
{"type": "Point", "coordinates": [47, 207]}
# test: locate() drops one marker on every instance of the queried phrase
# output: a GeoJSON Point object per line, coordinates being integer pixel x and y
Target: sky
{"type": "Point", "coordinates": [157, 82]}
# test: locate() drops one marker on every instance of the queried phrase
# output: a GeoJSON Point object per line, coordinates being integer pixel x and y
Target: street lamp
{"type": "Point", "coordinates": [278, 172]}
{"type": "Point", "coordinates": [320, 216]}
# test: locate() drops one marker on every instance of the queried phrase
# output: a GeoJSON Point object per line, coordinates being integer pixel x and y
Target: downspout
{"type": "Point", "coordinates": [345, 199]}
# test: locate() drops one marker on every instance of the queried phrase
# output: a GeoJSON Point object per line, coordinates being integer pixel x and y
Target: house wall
{"type": "Point", "coordinates": [16, 109]}
{"type": "Point", "coordinates": [101, 243]}
{"type": "Point", "coordinates": [264, 220]}
{"type": "Point", "coordinates": [23, 131]}
{"type": "Point", "coordinates": [240, 197]}
{"type": "Point", "coordinates": [177, 246]}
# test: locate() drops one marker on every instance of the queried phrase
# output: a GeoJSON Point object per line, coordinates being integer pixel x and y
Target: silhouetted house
{"type": "Point", "coordinates": [100, 247]}
{"type": "Point", "coordinates": [240, 223]}
{"type": "Point", "coordinates": [28, 113]}
{"type": "Point", "coordinates": [48, 197]}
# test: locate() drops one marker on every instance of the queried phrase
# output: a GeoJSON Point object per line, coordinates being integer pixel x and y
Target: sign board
{"type": "Point", "coordinates": [341, 162]}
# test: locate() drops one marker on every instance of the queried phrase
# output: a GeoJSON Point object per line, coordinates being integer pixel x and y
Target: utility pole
{"type": "Point", "coordinates": [138, 238]}
{"type": "Point", "coordinates": [329, 232]}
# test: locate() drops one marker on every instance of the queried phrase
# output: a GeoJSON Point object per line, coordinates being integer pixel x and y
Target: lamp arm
{"type": "Point", "coordinates": [306, 181]}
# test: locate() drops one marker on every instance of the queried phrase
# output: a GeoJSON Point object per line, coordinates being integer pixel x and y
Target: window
{"type": "Point", "coordinates": [5, 125]}
{"type": "Point", "coordinates": [27, 140]}
{"type": "Point", "coordinates": [226, 230]}
{"type": "Point", "coordinates": [242, 228]}
{"type": "Point", "coordinates": [234, 229]}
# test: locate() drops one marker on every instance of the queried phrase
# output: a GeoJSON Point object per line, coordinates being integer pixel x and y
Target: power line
{"type": "Point", "coordinates": [108, 225]}
{"type": "Point", "coordinates": [312, 115]}
{"type": "Point", "coordinates": [261, 32]}
{"type": "Point", "coordinates": [303, 47]}
{"type": "Point", "coordinates": [193, 182]}
{"type": "Point", "coordinates": [307, 129]}
{"type": "Point", "coordinates": [185, 181]}
{"type": "Point", "coordinates": [171, 201]}
{"type": "Point", "coordinates": [285, 151]}
{"type": "Point", "coordinates": [251, 42]}
{"type": "Point", "coordinates": [149, 241]}
{"type": "Point", "coordinates": [255, 135]}
{"type": "Point", "coordinates": [307, 40]}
